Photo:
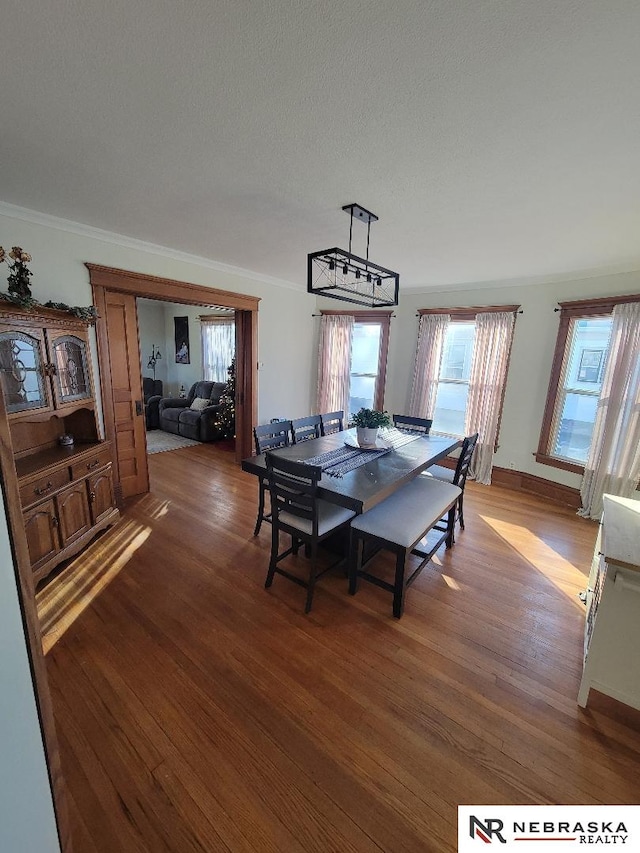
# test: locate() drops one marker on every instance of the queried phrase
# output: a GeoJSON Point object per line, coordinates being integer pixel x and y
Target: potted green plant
{"type": "Point", "coordinates": [367, 422]}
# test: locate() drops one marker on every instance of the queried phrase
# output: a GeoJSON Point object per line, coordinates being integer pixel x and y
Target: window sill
{"type": "Point", "coordinates": [564, 464]}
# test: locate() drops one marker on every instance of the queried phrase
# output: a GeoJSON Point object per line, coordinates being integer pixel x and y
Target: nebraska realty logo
{"type": "Point", "coordinates": [548, 828]}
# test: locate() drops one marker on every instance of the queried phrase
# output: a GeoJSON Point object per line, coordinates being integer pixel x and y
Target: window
{"type": "Point", "coordinates": [475, 346]}
{"type": "Point", "coordinates": [580, 357]}
{"type": "Point", "coordinates": [365, 366]}
{"type": "Point", "coordinates": [453, 382]}
{"type": "Point", "coordinates": [365, 372]}
{"type": "Point", "coordinates": [218, 347]}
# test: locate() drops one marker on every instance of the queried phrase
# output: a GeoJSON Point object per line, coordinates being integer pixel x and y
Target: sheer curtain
{"type": "Point", "coordinates": [492, 345]}
{"type": "Point", "coordinates": [431, 334]}
{"type": "Point", "coordinates": [613, 464]}
{"type": "Point", "coordinates": [334, 363]}
{"type": "Point", "coordinates": [218, 347]}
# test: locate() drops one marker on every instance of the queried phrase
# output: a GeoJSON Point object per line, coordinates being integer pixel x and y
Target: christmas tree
{"type": "Point", "coordinates": [226, 421]}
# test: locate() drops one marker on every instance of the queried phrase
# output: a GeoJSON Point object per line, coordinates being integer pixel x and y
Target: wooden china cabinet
{"type": "Point", "coordinates": [63, 467]}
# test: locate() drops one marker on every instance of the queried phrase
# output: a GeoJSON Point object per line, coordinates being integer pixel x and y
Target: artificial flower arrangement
{"type": "Point", "coordinates": [20, 290]}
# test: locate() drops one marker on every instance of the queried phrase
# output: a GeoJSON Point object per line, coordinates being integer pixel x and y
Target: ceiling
{"type": "Point", "coordinates": [495, 139]}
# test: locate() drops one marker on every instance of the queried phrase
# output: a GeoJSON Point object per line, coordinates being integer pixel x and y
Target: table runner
{"type": "Point", "coordinates": [337, 462]}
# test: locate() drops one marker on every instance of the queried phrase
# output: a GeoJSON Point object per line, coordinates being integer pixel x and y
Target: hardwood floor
{"type": "Point", "coordinates": [198, 712]}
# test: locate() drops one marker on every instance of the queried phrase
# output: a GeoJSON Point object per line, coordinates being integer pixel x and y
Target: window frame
{"type": "Point", "coordinates": [468, 315]}
{"type": "Point", "coordinates": [208, 320]}
{"type": "Point", "coordinates": [383, 319]}
{"type": "Point", "coordinates": [581, 309]}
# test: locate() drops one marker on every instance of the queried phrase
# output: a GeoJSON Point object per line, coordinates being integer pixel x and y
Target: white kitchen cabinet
{"type": "Point", "coordinates": [612, 627]}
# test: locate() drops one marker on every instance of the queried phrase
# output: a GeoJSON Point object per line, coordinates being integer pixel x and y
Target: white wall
{"type": "Point", "coordinates": [151, 334]}
{"type": "Point", "coordinates": [183, 375]}
{"type": "Point", "coordinates": [285, 324]}
{"type": "Point", "coordinates": [27, 821]}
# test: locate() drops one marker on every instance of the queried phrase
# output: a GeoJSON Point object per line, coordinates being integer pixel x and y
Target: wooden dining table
{"type": "Point", "coordinates": [364, 487]}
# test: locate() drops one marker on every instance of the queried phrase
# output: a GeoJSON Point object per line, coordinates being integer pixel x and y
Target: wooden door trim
{"type": "Point", "coordinates": [104, 279]}
{"type": "Point", "coordinates": [168, 289]}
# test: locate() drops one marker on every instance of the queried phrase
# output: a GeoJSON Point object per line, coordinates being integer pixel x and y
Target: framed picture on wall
{"type": "Point", "coordinates": [181, 327]}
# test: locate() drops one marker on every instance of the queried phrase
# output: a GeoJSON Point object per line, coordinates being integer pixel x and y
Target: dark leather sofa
{"type": "Point", "coordinates": [177, 416]}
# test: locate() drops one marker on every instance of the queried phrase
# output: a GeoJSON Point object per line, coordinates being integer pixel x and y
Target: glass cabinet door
{"type": "Point", "coordinates": [71, 374]}
{"type": "Point", "coordinates": [21, 372]}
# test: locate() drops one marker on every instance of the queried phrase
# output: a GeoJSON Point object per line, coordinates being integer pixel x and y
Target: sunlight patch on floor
{"type": "Point", "coordinates": [558, 570]}
{"type": "Point", "coordinates": [63, 600]}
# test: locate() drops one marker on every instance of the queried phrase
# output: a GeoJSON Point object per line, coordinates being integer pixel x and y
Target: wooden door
{"type": "Point", "coordinates": [126, 393]}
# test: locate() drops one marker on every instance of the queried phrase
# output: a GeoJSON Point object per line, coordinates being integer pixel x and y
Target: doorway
{"type": "Point", "coordinates": [114, 294]}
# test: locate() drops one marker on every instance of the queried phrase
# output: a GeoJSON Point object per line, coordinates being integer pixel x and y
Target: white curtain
{"type": "Point", "coordinates": [426, 371]}
{"type": "Point", "coordinates": [218, 348]}
{"type": "Point", "coordinates": [334, 363]}
{"type": "Point", "coordinates": [494, 332]}
{"type": "Point", "coordinates": [613, 464]}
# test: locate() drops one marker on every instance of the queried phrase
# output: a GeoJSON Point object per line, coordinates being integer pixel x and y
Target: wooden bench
{"type": "Point", "coordinates": [399, 524]}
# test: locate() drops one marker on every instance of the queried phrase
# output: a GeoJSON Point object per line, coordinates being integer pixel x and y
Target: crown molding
{"type": "Point", "coordinates": [575, 275]}
{"type": "Point", "coordinates": [34, 217]}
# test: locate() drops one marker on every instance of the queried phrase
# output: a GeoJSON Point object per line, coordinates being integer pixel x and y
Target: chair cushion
{"type": "Point", "coordinates": [329, 517]}
{"type": "Point", "coordinates": [199, 403]}
{"type": "Point", "coordinates": [406, 515]}
{"type": "Point", "coordinates": [189, 416]}
{"type": "Point", "coordinates": [440, 473]}
{"type": "Point", "coordinates": [171, 414]}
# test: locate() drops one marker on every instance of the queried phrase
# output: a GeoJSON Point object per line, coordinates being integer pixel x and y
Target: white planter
{"type": "Point", "coordinates": [367, 436]}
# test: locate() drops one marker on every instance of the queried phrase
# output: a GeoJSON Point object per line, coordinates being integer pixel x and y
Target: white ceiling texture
{"type": "Point", "coordinates": [495, 139]}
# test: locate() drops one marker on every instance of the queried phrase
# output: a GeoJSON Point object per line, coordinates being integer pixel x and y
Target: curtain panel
{"type": "Point", "coordinates": [334, 363]}
{"type": "Point", "coordinates": [218, 347]}
{"type": "Point", "coordinates": [492, 346]}
{"type": "Point", "coordinates": [613, 464]}
{"type": "Point", "coordinates": [424, 389]}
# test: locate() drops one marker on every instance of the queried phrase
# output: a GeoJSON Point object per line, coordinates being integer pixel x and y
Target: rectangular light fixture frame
{"type": "Point", "coordinates": [325, 277]}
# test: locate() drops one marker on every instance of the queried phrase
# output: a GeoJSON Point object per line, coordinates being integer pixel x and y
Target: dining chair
{"type": "Point", "coordinates": [332, 422]}
{"type": "Point", "coordinates": [302, 429]}
{"type": "Point", "coordinates": [268, 437]}
{"type": "Point", "coordinates": [412, 424]}
{"type": "Point", "coordinates": [297, 511]}
{"type": "Point", "coordinates": [457, 476]}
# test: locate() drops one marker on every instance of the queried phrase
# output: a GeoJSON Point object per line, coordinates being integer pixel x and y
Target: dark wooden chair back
{"type": "Point", "coordinates": [271, 436]}
{"type": "Point", "coordinates": [302, 429]}
{"type": "Point", "coordinates": [332, 422]}
{"type": "Point", "coordinates": [293, 487]}
{"type": "Point", "coordinates": [464, 460]}
{"type": "Point", "coordinates": [297, 510]}
{"type": "Point", "coordinates": [413, 424]}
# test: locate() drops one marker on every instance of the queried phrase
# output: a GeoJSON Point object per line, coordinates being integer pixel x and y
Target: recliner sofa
{"type": "Point", "coordinates": [195, 415]}
{"type": "Point", "coordinates": [152, 394]}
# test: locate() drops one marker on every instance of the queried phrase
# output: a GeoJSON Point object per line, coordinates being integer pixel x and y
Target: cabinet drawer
{"type": "Point", "coordinates": [99, 460]}
{"type": "Point", "coordinates": [43, 487]}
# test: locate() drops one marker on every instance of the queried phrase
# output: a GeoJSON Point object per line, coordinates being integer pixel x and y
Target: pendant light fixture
{"type": "Point", "coordinates": [345, 276]}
